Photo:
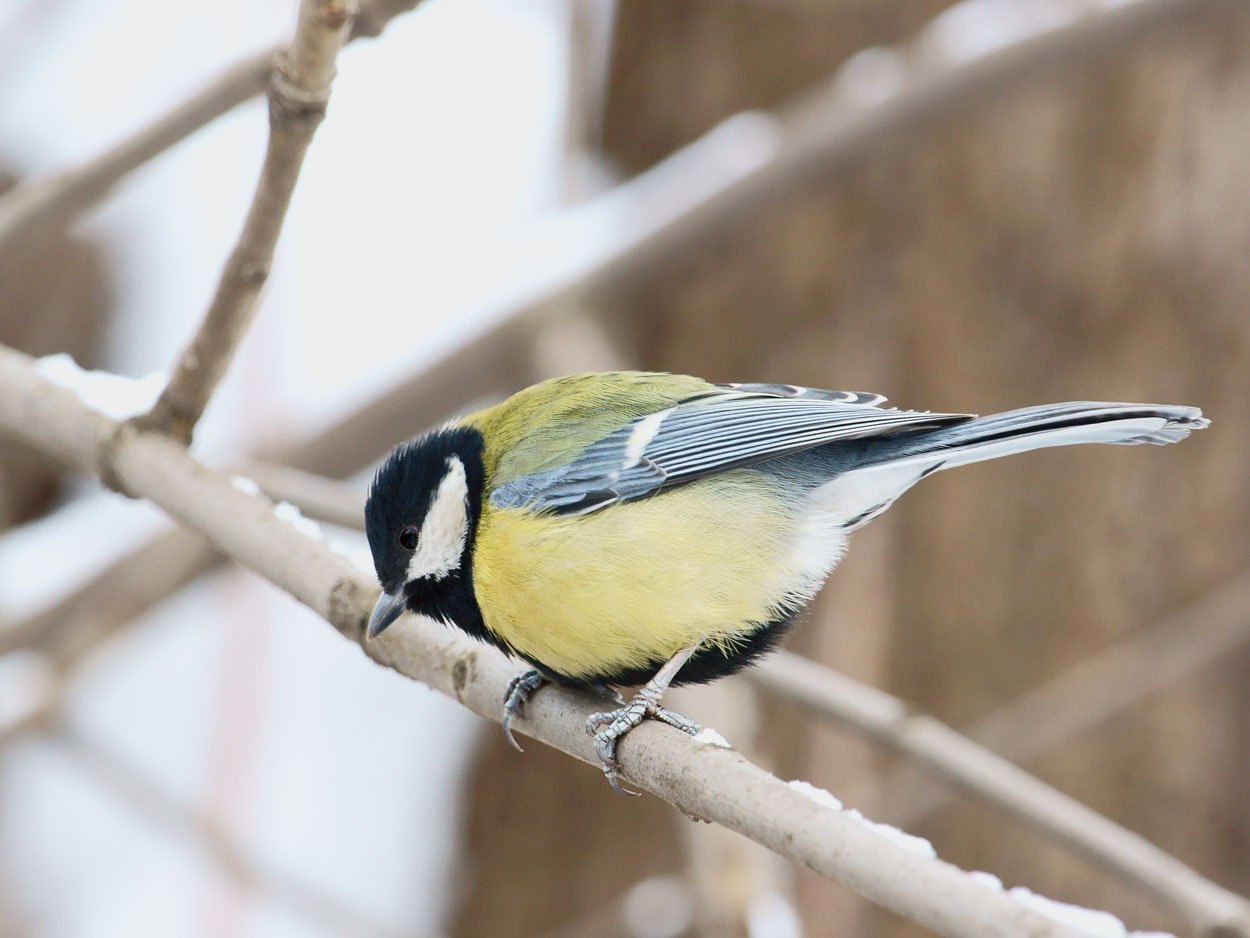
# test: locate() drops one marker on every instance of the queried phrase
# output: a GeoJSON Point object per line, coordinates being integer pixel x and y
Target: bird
{"type": "Point", "coordinates": [643, 529]}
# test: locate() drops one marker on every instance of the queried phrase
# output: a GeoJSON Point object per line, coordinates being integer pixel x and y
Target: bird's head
{"type": "Point", "coordinates": [420, 518]}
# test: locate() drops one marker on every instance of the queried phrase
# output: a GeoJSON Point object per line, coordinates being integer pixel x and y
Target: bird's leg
{"type": "Point", "coordinates": [607, 728]}
{"type": "Point", "coordinates": [520, 689]}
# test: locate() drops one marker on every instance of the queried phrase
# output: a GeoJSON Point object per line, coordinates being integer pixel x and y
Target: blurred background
{"type": "Point", "coordinates": [903, 196]}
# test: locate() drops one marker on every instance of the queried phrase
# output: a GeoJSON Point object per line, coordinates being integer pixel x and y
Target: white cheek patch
{"type": "Point", "coordinates": [442, 538]}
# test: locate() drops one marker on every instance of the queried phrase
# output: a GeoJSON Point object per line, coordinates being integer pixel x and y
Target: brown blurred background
{"type": "Point", "coordinates": [1085, 236]}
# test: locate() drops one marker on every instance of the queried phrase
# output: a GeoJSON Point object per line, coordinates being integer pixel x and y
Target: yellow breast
{"type": "Point", "coordinates": [635, 583]}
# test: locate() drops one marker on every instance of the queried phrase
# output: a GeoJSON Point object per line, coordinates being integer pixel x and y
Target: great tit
{"type": "Point", "coordinates": [635, 528]}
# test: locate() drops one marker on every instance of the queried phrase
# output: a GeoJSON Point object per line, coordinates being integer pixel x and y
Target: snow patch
{"type": "Point", "coordinates": [113, 395]}
{"type": "Point", "coordinates": [1093, 922]}
{"type": "Point", "coordinates": [245, 485]}
{"type": "Point", "coordinates": [710, 737]}
{"type": "Point", "coordinates": [821, 796]}
{"type": "Point", "coordinates": [285, 511]}
{"type": "Point", "coordinates": [360, 558]}
{"type": "Point", "coordinates": [986, 879]}
{"type": "Point", "coordinates": [899, 838]}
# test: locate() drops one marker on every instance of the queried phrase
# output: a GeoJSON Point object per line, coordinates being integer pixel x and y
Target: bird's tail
{"type": "Point", "coordinates": [1018, 431]}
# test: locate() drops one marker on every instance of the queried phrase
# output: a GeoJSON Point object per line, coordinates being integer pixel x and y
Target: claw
{"type": "Point", "coordinates": [519, 691]}
{"type": "Point", "coordinates": [608, 727]}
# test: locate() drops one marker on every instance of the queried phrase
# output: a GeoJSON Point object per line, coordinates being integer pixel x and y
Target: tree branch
{"type": "Point", "coordinates": [299, 91]}
{"type": "Point", "coordinates": [975, 769]}
{"type": "Point", "coordinates": [701, 780]}
{"type": "Point", "coordinates": [316, 496]}
{"type": "Point", "coordinates": [1102, 686]}
{"type": "Point", "coordinates": [58, 199]}
{"type": "Point", "coordinates": [1183, 642]}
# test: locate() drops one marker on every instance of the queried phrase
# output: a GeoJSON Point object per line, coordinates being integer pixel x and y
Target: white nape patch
{"type": "Point", "coordinates": [446, 527]}
{"type": "Point", "coordinates": [642, 435]}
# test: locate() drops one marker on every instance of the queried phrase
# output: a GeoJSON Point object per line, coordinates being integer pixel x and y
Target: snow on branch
{"type": "Point", "coordinates": [982, 773]}
{"type": "Point", "coordinates": [703, 781]}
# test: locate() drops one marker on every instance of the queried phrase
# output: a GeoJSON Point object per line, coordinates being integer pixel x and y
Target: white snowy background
{"type": "Point", "coordinates": [440, 153]}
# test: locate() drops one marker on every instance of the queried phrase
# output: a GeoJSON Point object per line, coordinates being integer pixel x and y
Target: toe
{"type": "Point", "coordinates": [507, 731]}
{"type": "Point", "coordinates": [614, 781]}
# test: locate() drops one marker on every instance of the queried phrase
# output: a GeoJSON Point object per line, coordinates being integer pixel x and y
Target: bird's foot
{"type": "Point", "coordinates": [608, 727]}
{"type": "Point", "coordinates": [519, 691]}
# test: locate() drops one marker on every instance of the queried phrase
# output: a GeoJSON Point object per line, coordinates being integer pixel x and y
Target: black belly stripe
{"type": "Point", "coordinates": [706, 664]}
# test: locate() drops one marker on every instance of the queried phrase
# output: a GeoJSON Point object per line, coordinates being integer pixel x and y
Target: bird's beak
{"type": "Point", "coordinates": [386, 611]}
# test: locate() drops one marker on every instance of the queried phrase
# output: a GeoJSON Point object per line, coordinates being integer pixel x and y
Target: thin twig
{"type": "Point", "coordinates": [991, 778]}
{"type": "Point", "coordinates": [316, 496]}
{"type": "Point", "coordinates": [58, 199]}
{"type": "Point", "coordinates": [117, 595]}
{"type": "Point", "coordinates": [1097, 688]}
{"type": "Point", "coordinates": [701, 780]}
{"type": "Point", "coordinates": [299, 91]}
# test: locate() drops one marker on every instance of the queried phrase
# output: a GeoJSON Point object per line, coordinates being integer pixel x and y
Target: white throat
{"type": "Point", "coordinates": [442, 539]}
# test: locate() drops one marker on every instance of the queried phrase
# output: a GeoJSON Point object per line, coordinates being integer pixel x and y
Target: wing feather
{"type": "Point", "coordinates": [730, 427]}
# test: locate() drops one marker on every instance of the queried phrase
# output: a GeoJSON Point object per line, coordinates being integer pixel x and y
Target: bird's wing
{"type": "Point", "coordinates": [726, 428]}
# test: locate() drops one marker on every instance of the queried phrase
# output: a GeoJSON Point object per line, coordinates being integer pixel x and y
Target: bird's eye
{"type": "Point", "coordinates": [408, 538]}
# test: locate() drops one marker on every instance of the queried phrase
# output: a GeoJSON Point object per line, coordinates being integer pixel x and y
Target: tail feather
{"type": "Point", "coordinates": [1019, 431]}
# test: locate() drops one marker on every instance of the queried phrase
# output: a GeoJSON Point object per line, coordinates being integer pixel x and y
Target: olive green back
{"type": "Point", "coordinates": [546, 425]}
